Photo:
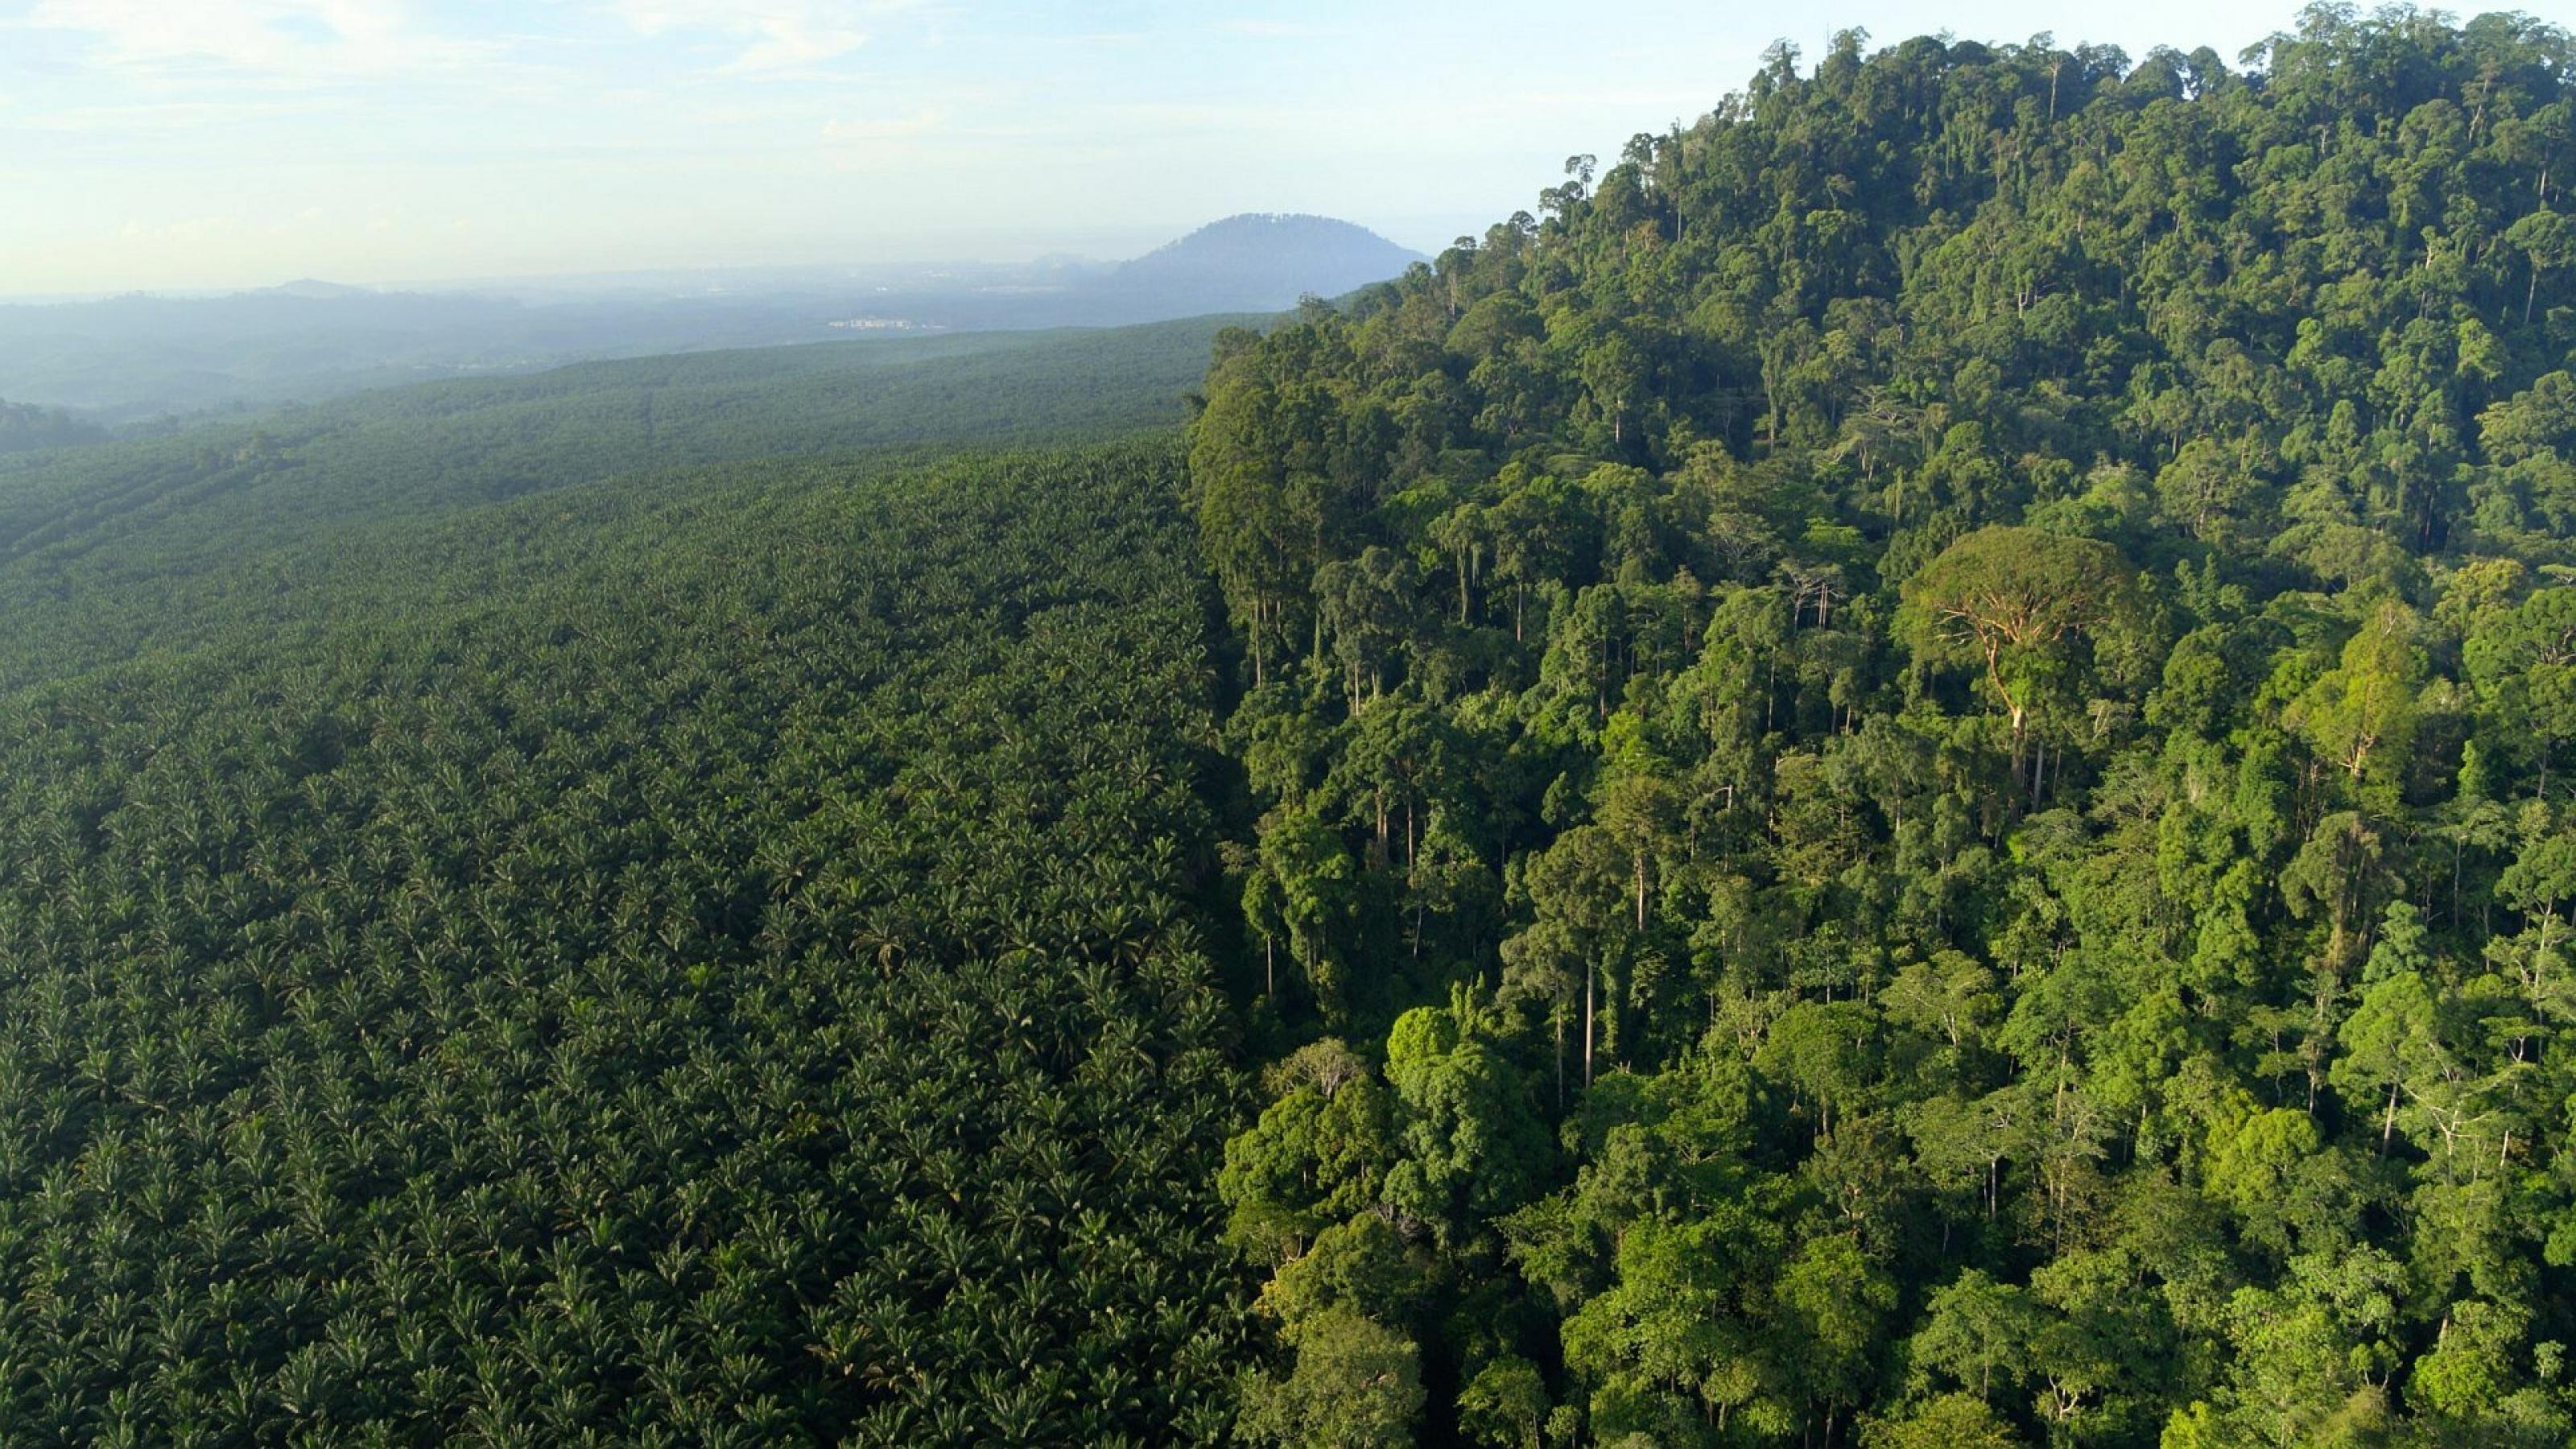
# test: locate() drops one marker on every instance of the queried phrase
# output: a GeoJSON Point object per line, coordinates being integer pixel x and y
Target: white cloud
{"type": "Point", "coordinates": [187, 229]}
{"type": "Point", "coordinates": [895, 129]}
{"type": "Point", "coordinates": [1274, 29]}
{"type": "Point", "coordinates": [308, 39]}
{"type": "Point", "coordinates": [161, 118]}
{"type": "Point", "coordinates": [776, 34]}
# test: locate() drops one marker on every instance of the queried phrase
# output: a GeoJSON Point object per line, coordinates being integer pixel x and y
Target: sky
{"type": "Point", "coordinates": [199, 144]}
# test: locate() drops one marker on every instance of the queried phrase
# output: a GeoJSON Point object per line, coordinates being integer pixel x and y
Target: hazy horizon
{"type": "Point", "coordinates": [1098, 247]}
{"type": "Point", "coordinates": [216, 145]}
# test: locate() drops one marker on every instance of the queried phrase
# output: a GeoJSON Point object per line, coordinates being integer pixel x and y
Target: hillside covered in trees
{"type": "Point", "coordinates": [1912, 769]}
{"type": "Point", "coordinates": [1903, 775]}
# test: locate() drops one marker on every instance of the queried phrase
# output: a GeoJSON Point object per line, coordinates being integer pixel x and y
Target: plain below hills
{"type": "Point", "coordinates": [138, 358]}
{"type": "Point", "coordinates": [105, 550]}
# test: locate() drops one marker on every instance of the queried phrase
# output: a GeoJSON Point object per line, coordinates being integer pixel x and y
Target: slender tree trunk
{"type": "Point", "coordinates": [1589, 973]}
{"type": "Point", "coordinates": [2017, 747]}
{"type": "Point", "coordinates": [1559, 1017]}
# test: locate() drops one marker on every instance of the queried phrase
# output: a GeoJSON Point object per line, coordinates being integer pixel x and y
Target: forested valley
{"type": "Point", "coordinates": [1897, 776]}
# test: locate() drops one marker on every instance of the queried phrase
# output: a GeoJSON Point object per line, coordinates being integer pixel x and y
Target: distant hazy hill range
{"type": "Point", "coordinates": [129, 358]}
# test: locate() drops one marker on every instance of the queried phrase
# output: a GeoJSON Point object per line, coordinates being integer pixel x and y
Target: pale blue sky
{"type": "Point", "coordinates": [206, 143]}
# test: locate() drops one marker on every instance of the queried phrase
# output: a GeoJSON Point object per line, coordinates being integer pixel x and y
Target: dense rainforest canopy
{"type": "Point", "coordinates": [1912, 769]}
{"type": "Point", "coordinates": [1899, 777]}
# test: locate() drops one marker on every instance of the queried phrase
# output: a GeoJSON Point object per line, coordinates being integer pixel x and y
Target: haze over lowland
{"type": "Point", "coordinates": [136, 356]}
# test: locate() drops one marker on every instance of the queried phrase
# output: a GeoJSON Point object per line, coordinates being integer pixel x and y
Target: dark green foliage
{"type": "Point", "coordinates": [712, 971]}
{"type": "Point", "coordinates": [1960, 677]}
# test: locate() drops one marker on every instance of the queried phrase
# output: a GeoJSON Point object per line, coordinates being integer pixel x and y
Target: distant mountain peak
{"type": "Point", "coordinates": [1258, 225]}
{"type": "Point", "coordinates": [313, 287]}
{"type": "Point", "coordinates": [1268, 259]}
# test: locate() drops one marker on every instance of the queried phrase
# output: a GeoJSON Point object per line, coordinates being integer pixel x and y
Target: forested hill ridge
{"type": "Point", "coordinates": [1912, 769]}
